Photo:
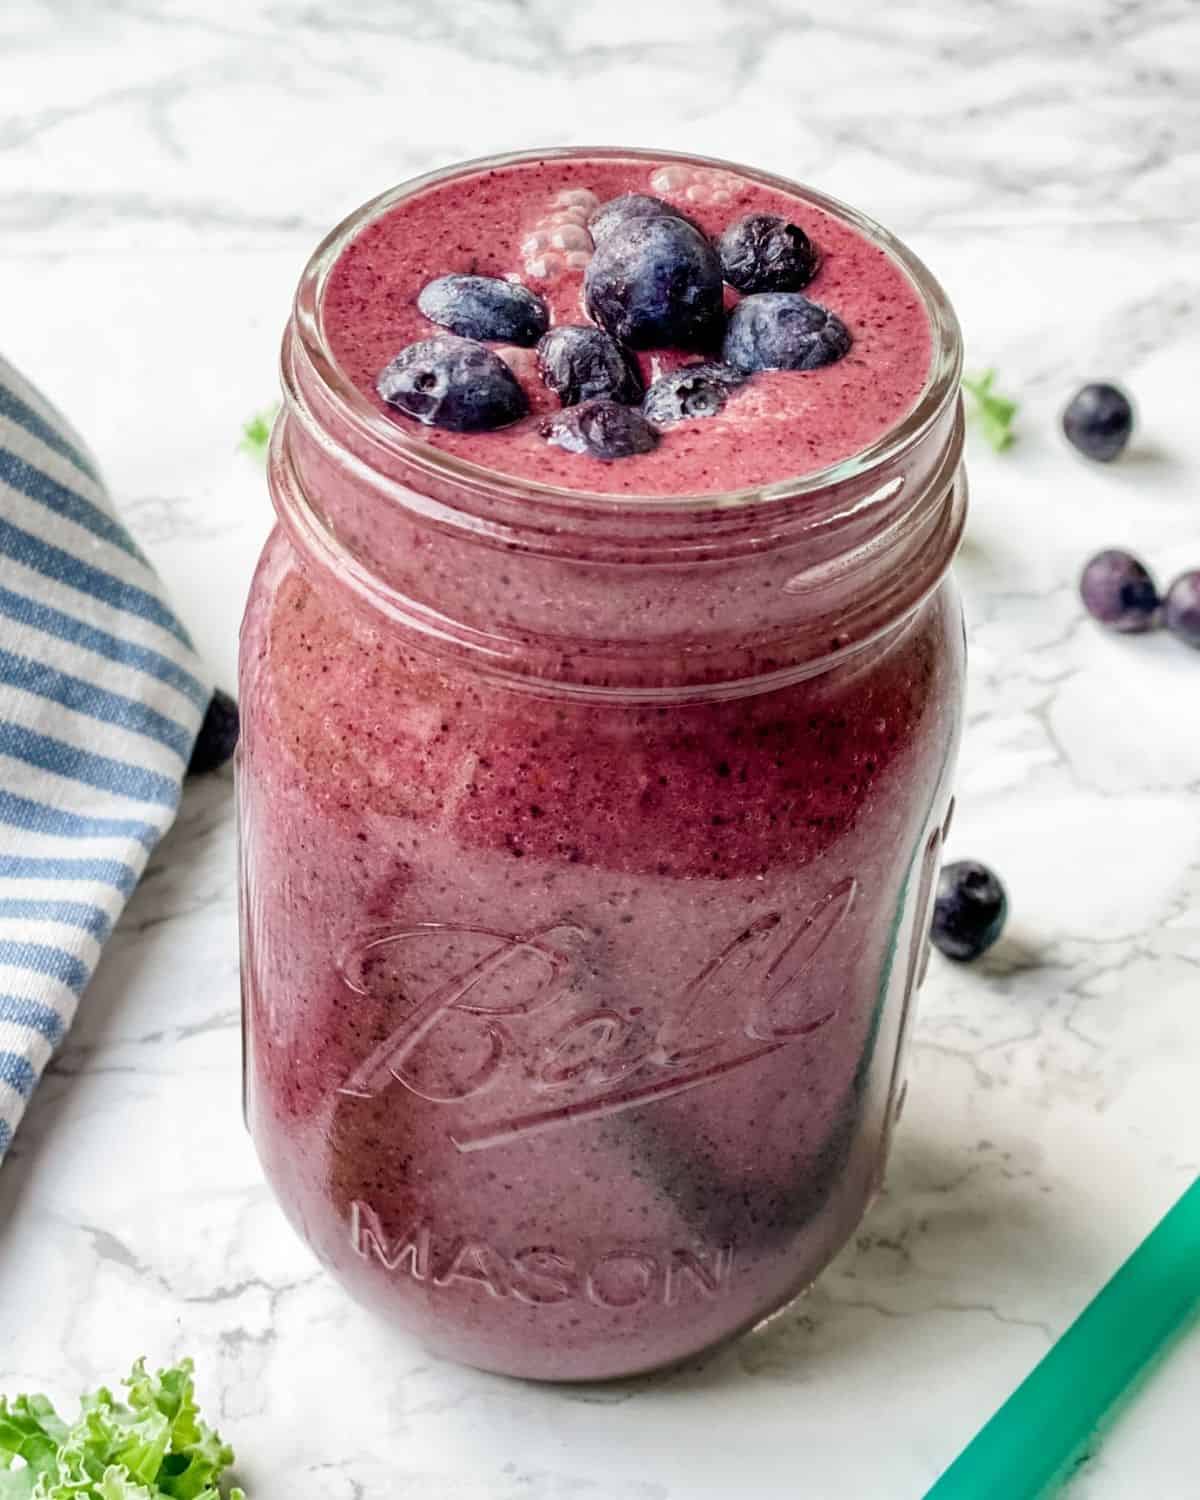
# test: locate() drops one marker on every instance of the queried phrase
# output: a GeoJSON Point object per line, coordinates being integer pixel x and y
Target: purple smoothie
{"type": "Point", "coordinates": [574, 1005]}
{"type": "Point", "coordinates": [509, 223]}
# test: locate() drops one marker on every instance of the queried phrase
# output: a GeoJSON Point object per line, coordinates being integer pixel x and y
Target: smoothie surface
{"type": "Point", "coordinates": [527, 222]}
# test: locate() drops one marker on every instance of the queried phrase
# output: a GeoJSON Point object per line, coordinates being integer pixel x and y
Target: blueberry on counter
{"type": "Point", "coordinates": [1181, 608]}
{"type": "Point", "coordinates": [1118, 591]}
{"type": "Point", "coordinates": [579, 362]}
{"type": "Point", "coordinates": [968, 911]}
{"type": "Point", "coordinates": [485, 307]}
{"type": "Point", "coordinates": [1098, 421]}
{"type": "Point", "coordinates": [218, 735]}
{"type": "Point", "coordinates": [764, 253]}
{"type": "Point", "coordinates": [453, 382]}
{"type": "Point", "coordinates": [656, 283]}
{"type": "Point", "coordinates": [783, 331]}
{"type": "Point", "coordinates": [628, 206]}
{"type": "Point", "coordinates": [698, 390]}
{"type": "Point", "coordinates": [600, 428]}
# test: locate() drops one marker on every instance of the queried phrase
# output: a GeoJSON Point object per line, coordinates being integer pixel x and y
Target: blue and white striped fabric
{"type": "Point", "coordinates": [101, 696]}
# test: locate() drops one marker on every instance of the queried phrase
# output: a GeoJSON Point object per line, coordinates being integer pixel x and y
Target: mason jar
{"type": "Point", "coordinates": [588, 844]}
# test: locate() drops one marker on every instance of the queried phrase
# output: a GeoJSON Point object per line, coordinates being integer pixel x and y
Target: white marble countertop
{"type": "Point", "coordinates": [165, 165]}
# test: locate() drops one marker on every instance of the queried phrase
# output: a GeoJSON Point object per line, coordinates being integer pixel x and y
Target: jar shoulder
{"type": "Point", "coordinates": [347, 714]}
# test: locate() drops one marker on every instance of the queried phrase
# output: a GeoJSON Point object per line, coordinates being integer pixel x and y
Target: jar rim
{"type": "Point", "coordinates": [355, 410]}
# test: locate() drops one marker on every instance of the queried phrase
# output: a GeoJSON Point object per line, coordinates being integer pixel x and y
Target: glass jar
{"type": "Point", "coordinates": [588, 845]}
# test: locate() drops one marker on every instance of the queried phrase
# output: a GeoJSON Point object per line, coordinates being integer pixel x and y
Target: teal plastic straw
{"type": "Point", "coordinates": [1042, 1426]}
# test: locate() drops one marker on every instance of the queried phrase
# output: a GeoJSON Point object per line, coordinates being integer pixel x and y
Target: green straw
{"type": "Point", "coordinates": [1032, 1439]}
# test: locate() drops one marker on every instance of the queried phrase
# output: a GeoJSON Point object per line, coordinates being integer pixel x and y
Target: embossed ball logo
{"type": "Point", "coordinates": [486, 1018]}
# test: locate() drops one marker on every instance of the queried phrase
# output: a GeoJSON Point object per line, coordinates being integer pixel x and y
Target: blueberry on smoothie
{"type": "Point", "coordinates": [1118, 591]}
{"type": "Point", "coordinates": [656, 283]}
{"type": "Point", "coordinates": [600, 428]}
{"type": "Point", "coordinates": [579, 362]}
{"type": "Point", "coordinates": [968, 911]}
{"type": "Point", "coordinates": [1098, 421]}
{"type": "Point", "coordinates": [453, 383]}
{"type": "Point", "coordinates": [484, 307]}
{"type": "Point", "coordinates": [765, 253]}
{"type": "Point", "coordinates": [218, 735]}
{"type": "Point", "coordinates": [1181, 608]}
{"type": "Point", "coordinates": [783, 331]}
{"type": "Point", "coordinates": [631, 206]}
{"type": "Point", "coordinates": [698, 390]}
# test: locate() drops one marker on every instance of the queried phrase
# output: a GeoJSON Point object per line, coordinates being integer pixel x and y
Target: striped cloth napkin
{"type": "Point", "coordinates": [101, 697]}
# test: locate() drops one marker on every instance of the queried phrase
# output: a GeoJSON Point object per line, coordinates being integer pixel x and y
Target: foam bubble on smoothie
{"type": "Point", "coordinates": [559, 241]}
{"type": "Point", "coordinates": [694, 187]}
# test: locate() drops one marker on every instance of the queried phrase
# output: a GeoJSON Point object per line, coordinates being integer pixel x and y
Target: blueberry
{"type": "Point", "coordinates": [631, 206]}
{"type": "Point", "coordinates": [724, 1197]}
{"type": "Point", "coordinates": [969, 910]}
{"type": "Point", "coordinates": [579, 362]}
{"type": "Point", "coordinates": [601, 428]}
{"type": "Point", "coordinates": [1181, 609]}
{"type": "Point", "coordinates": [218, 735]}
{"type": "Point", "coordinates": [484, 307]}
{"type": "Point", "coordinates": [1118, 591]}
{"type": "Point", "coordinates": [764, 253]}
{"type": "Point", "coordinates": [698, 390]}
{"type": "Point", "coordinates": [655, 283]}
{"type": "Point", "coordinates": [455, 383]}
{"type": "Point", "coordinates": [1098, 421]}
{"type": "Point", "coordinates": [783, 331]}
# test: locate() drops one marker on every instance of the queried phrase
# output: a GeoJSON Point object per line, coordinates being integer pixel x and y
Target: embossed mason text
{"type": "Point", "coordinates": [619, 1277]}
